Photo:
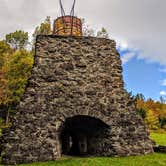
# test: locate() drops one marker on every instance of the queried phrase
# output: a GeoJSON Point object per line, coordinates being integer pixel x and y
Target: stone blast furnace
{"type": "Point", "coordinates": [75, 104]}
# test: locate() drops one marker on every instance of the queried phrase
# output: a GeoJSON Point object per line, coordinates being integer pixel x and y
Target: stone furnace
{"type": "Point", "coordinates": [75, 104]}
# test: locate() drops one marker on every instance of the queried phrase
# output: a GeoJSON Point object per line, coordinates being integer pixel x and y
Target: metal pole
{"type": "Point", "coordinates": [72, 15]}
{"type": "Point", "coordinates": [62, 9]}
{"type": "Point", "coordinates": [63, 14]}
{"type": "Point", "coordinates": [72, 9]}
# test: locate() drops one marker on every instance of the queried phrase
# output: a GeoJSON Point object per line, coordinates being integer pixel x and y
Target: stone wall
{"type": "Point", "coordinates": [74, 76]}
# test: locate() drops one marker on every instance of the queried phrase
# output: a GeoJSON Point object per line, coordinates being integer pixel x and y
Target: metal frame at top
{"type": "Point", "coordinates": [72, 12]}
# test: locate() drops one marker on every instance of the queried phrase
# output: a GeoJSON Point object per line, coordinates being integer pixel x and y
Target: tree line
{"type": "Point", "coordinates": [153, 112]}
{"type": "Point", "coordinates": [16, 61]}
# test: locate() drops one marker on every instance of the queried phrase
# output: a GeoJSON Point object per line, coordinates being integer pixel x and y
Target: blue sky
{"type": "Point", "coordinates": [141, 76]}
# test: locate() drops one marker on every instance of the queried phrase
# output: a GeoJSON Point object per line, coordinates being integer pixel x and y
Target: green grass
{"type": "Point", "coordinates": [155, 159]}
{"type": "Point", "coordinates": [159, 138]}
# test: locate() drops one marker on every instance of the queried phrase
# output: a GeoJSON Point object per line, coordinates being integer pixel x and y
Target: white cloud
{"type": "Point", "coordinates": [20, 14]}
{"type": "Point", "coordinates": [163, 93]}
{"type": "Point", "coordinates": [127, 57]}
{"type": "Point", "coordinates": [122, 44]}
{"type": "Point", "coordinates": [163, 70]}
{"type": "Point", "coordinates": [140, 24]}
{"type": "Point", "coordinates": [163, 83]}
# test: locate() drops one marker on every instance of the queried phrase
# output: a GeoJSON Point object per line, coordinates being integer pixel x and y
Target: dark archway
{"type": "Point", "coordinates": [78, 135]}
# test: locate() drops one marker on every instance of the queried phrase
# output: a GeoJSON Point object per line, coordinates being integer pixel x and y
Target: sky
{"type": "Point", "coordinates": [138, 26]}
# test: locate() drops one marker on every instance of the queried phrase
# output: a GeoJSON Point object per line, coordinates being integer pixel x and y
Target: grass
{"type": "Point", "coordinates": [159, 138]}
{"type": "Point", "coordinates": [156, 159]}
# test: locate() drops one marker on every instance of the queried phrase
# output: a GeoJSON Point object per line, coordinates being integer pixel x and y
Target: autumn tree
{"type": "Point", "coordinates": [141, 112]}
{"type": "Point", "coordinates": [4, 51]}
{"type": "Point", "coordinates": [17, 40]}
{"type": "Point", "coordinates": [4, 48]}
{"type": "Point", "coordinates": [151, 120]}
{"type": "Point", "coordinates": [14, 74]}
{"type": "Point", "coordinates": [153, 112]}
{"type": "Point", "coordinates": [43, 29]}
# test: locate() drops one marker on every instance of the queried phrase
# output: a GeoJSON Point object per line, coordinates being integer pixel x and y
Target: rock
{"type": "Point", "coordinates": [67, 66]}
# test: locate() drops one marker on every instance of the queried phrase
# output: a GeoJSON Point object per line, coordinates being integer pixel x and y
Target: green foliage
{"type": "Point", "coordinates": [154, 113]}
{"type": "Point", "coordinates": [17, 39]}
{"type": "Point", "coordinates": [16, 71]}
{"type": "Point", "coordinates": [1, 121]}
{"type": "Point", "coordinates": [142, 113]}
{"type": "Point", "coordinates": [14, 74]}
{"type": "Point", "coordinates": [162, 122]}
{"type": "Point", "coordinates": [43, 29]}
{"type": "Point", "coordinates": [151, 120]}
{"type": "Point", "coordinates": [4, 48]}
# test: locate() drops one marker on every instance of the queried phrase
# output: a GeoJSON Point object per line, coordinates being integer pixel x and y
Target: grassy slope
{"type": "Point", "coordinates": [148, 160]}
{"type": "Point", "coordinates": [159, 138]}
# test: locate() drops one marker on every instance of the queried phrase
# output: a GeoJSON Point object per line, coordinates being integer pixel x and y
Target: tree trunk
{"type": "Point", "coordinates": [7, 115]}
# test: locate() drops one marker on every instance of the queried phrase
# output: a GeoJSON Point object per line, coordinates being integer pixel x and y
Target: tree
{"type": "Point", "coordinates": [162, 122]}
{"type": "Point", "coordinates": [5, 92]}
{"type": "Point", "coordinates": [151, 120]}
{"type": "Point", "coordinates": [140, 96]}
{"type": "Point", "coordinates": [142, 113]}
{"type": "Point", "coordinates": [162, 100]}
{"type": "Point", "coordinates": [14, 74]}
{"type": "Point", "coordinates": [4, 48]}
{"type": "Point", "coordinates": [5, 52]}
{"type": "Point", "coordinates": [103, 33]}
{"type": "Point", "coordinates": [86, 30]}
{"type": "Point", "coordinates": [17, 40]}
{"type": "Point", "coordinates": [43, 29]}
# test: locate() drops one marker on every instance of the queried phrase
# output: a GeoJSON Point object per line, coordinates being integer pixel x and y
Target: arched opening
{"type": "Point", "coordinates": [80, 135]}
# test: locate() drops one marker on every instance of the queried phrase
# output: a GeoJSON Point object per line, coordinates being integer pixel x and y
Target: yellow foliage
{"type": "Point", "coordinates": [154, 111]}
{"type": "Point", "coordinates": [151, 120]}
{"type": "Point", "coordinates": [14, 74]}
